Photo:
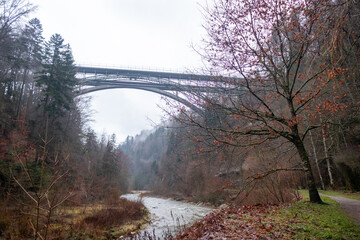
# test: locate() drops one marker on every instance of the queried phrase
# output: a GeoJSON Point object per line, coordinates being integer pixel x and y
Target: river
{"type": "Point", "coordinates": [169, 216]}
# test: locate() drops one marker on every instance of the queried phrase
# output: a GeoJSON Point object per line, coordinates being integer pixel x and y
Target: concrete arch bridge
{"type": "Point", "coordinates": [168, 84]}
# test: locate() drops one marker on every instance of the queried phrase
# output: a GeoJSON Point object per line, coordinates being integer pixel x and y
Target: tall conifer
{"type": "Point", "coordinates": [57, 77]}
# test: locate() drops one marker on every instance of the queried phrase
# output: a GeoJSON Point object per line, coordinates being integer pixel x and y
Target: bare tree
{"type": "Point", "coordinates": [12, 11]}
{"type": "Point", "coordinates": [282, 81]}
{"type": "Point", "coordinates": [44, 196]}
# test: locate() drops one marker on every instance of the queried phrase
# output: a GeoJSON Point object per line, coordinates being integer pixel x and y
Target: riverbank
{"type": "Point", "coordinates": [299, 220]}
{"type": "Point", "coordinates": [123, 219]}
{"type": "Point", "coordinates": [175, 197]}
{"type": "Point", "coordinates": [91, 221]}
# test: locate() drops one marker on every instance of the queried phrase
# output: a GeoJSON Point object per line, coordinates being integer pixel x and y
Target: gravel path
{"type": "Point", "coordinates": [350, 206]}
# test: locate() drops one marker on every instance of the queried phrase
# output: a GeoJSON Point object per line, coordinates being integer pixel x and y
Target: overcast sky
{"type": "Point", "coordinates": [150, 34]}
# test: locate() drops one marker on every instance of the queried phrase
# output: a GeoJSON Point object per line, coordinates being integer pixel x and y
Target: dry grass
{"type": "Point", "coordinates": [115, 215]}
{"type": "Point", "coordinates": [98, 221]}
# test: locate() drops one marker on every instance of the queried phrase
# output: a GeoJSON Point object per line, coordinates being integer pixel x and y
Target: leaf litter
{"type": "Point", "coordinates": [246, 222]}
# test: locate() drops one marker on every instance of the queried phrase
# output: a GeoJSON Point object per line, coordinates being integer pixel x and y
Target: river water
{"type": "Point", "coordinates": [169, 216]}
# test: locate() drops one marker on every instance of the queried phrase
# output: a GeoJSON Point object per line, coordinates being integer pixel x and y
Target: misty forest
{"type": "Point", "coordinates": [276, 137]}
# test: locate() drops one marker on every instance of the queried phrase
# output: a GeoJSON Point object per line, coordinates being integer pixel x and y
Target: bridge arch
{"type": "Point", "coordinates": [149, 89]}
{"type": "Point", "coordinates": [97, 79]}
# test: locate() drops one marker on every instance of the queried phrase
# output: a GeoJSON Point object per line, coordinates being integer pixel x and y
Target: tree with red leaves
{"type": "Point", "coordinates": [283, 81]}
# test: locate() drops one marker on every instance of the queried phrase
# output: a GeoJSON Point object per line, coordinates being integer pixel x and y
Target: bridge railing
{"type": "Point", "coordinates": [140, 68]}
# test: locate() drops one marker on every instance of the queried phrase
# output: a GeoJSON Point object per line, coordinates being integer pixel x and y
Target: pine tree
{"type": "Point", "coordinates": [57, 77]}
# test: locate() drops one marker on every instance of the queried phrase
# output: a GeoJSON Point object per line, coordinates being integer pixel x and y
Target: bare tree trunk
{"type": "Point", "coordinates": [343, 134]}
{"type": "Point", "coordinates": [18, 108]}
{"type": "Point", "coordinates": [327, 157]}
{"type": "Point", "coordinates": [29, 101]}
{"type": "Point", "coordinates": [313, 192]}
{"type": "Point", "coordinates": [317, 161]}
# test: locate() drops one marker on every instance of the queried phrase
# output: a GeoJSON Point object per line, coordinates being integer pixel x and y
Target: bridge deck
{"type": "Point", "coordinates": [140, 74]}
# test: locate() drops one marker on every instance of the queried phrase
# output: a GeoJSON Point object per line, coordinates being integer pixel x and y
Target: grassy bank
{"type": "Point", "coordinates": [350, 195]}
{"type": "Point", "coordinates": [314, 221]}
{"type": "Point", "coordinates": [299, 220]}
{"type": "Point", "coordinates": [112, 221]}
{"type": "Point", "coordinates": [97, 221]}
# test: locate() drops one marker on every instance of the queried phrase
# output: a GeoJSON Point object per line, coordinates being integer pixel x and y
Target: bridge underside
{"type": "Point", "coordinates": [164, 83]}
{"type": "Point", "coordinates": [149, 89]}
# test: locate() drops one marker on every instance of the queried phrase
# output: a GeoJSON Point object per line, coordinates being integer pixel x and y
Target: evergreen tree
{"type": "Point", "coordinates": [57, 77]}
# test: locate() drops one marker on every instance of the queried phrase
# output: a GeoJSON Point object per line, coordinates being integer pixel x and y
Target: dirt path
{"type": "Point", "coordinates": [350, 206]}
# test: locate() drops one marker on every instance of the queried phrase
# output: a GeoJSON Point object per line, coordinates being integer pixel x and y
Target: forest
{"type": "Point", "coordinates": [48, 155]}
{"type": "Point", "coordinates": [285, 116]}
